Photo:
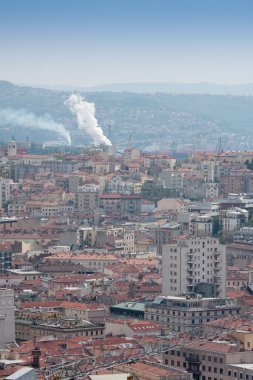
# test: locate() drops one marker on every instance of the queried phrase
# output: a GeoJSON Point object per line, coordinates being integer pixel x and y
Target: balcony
{"type": "Point", "coordinates": [193, 359]}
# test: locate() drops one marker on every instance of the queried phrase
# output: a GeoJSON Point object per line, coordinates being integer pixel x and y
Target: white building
{"type": "Point", "coordinates": [172, 179]}
{"type": "Point", "coordinates": [7, 321]}
{"type": "Point", "coordinates": [193, 262]}
{"type": "Point", "coordinates": [232, 219]}
{"type": "Point", "coordinates": [159, 159]}
{"type": "Point", "coordinates": [12, 148]}
{"type": "Point", "coordinates": [212, 190]}
{"type": "Point", "coordinates": [5, 185]}
{"type": "Point", "coordinates": [201, 225]}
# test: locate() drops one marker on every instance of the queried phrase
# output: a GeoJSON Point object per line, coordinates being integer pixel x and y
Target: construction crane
{"type": "Point", "coordinates": [194, 152]}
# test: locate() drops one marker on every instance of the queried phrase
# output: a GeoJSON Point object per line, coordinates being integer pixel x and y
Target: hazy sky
{"type": "Point", "coordinates": [81, 42]}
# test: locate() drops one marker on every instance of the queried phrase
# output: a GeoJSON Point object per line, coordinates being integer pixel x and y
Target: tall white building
{"type": "Point", "coordinates": [193, 264]}
{"type": "Point", "coordinates": [12, 148]}
{"type": "Point", "coordinates": [5, 185]}
{"type": "Point", "coordinates": [7, 320]}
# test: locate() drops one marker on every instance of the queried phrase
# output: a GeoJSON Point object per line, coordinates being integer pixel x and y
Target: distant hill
{"type": "Point", "coordinates": [155, 120]}
{"type": "Point", "coordinates": [173, 88]}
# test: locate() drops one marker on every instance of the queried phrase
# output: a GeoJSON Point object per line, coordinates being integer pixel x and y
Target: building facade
{"type": "Point", "coordinates": [7, 324]}
{"type": "Point", "coordinates": [184, 313]}
{"type": "Point", "coordinates": [192, 261]}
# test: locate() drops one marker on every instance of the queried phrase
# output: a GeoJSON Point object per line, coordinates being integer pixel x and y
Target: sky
{"type": "Point", "coordinates": [87, 43]}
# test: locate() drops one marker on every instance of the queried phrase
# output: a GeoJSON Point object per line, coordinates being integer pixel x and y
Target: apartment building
{"type": "Point", "coordinates": [194, 262]}
{"type": "Point", "coordinates": [126, 204]}
{"type": "Point", "coordinates": [186, 312]}
{"type": "Point", "coordinates": [172, 179]}
{"type": "Point", "coordinates": [239, 254]}
{"type": "Point", "coordinates": [244, 235]}
{"type": "Point", "coordinates": [7, 325]}
{"type": "Point", "coordinates": [214, 359]}
{"type": "Point", "coordinates": [92, 261]}
{"type": "Point", "coordinates": [201, 225]}
{"type": "Point", "coordinates": [116, 237]}
{"type": "Point", "coordinates": [211, 190]}
{"type": "Point", "coordinates": [5, 185]}
{"type": "Point", "coordinates": [86, 198]}
{"type": "Point", "coordinates": [231, 219]}
{"type": "Point", "coordinates": [5, 257]}
{"type": "Point", "coordinates": [165, 233]}
{"type": "Point", "coordinates": [159, 159]}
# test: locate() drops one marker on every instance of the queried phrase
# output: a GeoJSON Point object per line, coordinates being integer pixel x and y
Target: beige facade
{"type": "Point", "coordinates": [165, 233]}
{"type": "Point", "coordinates": [7, 324]}
{"type": "Point", "coordinates": [184, 313]}
{"type": "Point", "coordinates": [86, 200]}
{"type": "Point", "coordinates": [81, 311]}
{"type": "Point", "coordinates": [212, 360]}
{"type": "Point", "coordinates": [192, 261]}
{"type": "Point", "coordinates": [27, 330]}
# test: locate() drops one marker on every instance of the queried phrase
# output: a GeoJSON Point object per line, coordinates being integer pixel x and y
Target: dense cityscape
{"type": "Point", "coordinates": [126, 190]}
{"type": "Point", "coordinates": [133, 263]}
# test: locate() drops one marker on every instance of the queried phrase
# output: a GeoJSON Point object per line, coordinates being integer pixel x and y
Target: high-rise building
{"type": "Point", "coordinates": [5, 185]}
{"type": "Point", "coordinates": [12, 148]}
{"type": "Point", "coordinates": [87, 198]}
{"type": "Point", "coordinates": [5, 257]}
{"type": "Point", "coordinates": [7, 321]}
{"type": "Point", "coordinates": [194, 265]}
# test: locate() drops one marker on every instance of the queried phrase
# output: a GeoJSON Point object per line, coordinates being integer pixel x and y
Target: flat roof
{"type": "Point", "coordinates": [137, 306]}
{"type": "Point", "coordinates": [116, 376]}
{"type": "Point", "coordinates": [8, 220]}
{"type": "Point", "coordinates": [24, 272]}
{"type": "Point", "coordinates": [243, 366]}
{"type": "Point", "coordinates": [20, 373]}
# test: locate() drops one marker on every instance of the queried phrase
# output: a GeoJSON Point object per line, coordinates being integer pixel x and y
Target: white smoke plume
{"type": "Point", "coordinates": [86, 120]}
{"type": "Point", "coordinates": [26, 119]}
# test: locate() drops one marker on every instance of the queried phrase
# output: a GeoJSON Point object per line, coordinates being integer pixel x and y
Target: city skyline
{"type": "Point", "coordinates": [85, 43]}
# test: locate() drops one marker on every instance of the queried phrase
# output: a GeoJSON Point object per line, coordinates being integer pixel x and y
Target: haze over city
{"type": "Point", "coordinates": [88, 43]}
{"type": "Point", "coordinates": [126, 190]}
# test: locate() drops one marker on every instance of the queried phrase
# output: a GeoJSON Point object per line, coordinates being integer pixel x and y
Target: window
{"type": "Point", "coordinates": [209, 358]}
{"type": "Point", "coordinates": [172, 362]}
{"type": "Point", "coordinates": [221, 371]}
{"type": "Point", "coordinates": [209, 369]}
